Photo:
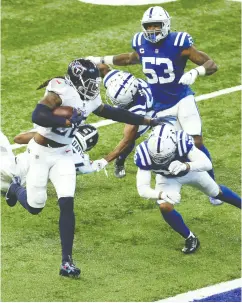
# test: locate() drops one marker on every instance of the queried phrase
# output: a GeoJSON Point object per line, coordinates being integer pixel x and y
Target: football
{"type": "Point", "coordinates": [63, 111]}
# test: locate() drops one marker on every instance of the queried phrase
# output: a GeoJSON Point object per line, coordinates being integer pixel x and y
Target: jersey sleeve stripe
{"type": "Point", "coordinates": [147, 156]}
{"type": "Point", "coordinates": [140, 38]}
{"type": "Point", "coordinates": [140, 155]}
{"type": "Point", "coordinates": [140, 133]}
{"type": "Point", "coordinates": [182, 39]}
{"type": "Point", "coordinates": [177, 38]}
{"type": "Point", "coordinates": [181, 143]}
{"type": "Point", "coordinates": [108, 76]}
{"type": "Point", "coordinates": [135, 40]}
{"type": "Point", "coordinates": [138, 107]}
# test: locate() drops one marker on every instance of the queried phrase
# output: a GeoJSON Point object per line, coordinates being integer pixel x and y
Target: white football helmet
{"type": "Point", "coordinates": [121, 87]}
{"type": "Point", "coordinates": [156, 15]}
{"type": "Point", "coordinates": [162, 144]}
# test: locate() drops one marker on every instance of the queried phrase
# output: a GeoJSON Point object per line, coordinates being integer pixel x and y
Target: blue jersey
{"type": "Point", "coordinates": [163, 66]}
{"type": "Point", "coordinates": [142, 105]}
{"type": "Point", "coordinates": [143, 160]}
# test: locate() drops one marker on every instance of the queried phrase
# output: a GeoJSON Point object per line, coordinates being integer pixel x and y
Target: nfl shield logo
{"type": "Point", "coordinates": [156, 51]}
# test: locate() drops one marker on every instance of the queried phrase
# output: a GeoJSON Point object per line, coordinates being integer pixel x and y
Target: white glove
{"type": "Point", "coordinates": [176, 167]}
{"type": "Point", "coordinates": [96, 60]}
{"type": "Point", "coordinates": [189, 77]}
{"type": "Point", "coordinates": [171, 197]}
{"type": "Point", "coordinates": [98, 165]}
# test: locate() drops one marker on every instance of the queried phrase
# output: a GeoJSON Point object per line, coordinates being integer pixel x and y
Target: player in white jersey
{"type": "Point", "coordinates": [50, 153]}
{"type": "Point", "coordinates": [175, 160]}
{"type": "Point", "coordinates": [163, 55]}
{"type": "Point", "coordinates": [123, 90]}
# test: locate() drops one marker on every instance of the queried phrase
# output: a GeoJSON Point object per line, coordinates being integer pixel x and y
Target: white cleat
{"type": "Point", "coordinates": [215, 201]}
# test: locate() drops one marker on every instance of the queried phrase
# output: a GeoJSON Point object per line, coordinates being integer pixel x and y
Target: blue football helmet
{"type": "Point", "coordinates": [84, 76]}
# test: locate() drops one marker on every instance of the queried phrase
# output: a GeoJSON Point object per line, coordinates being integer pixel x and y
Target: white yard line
{"type": "Point", "coordinates": [199, 98]}
{"type": "Point", "coordinates": [201, 293]}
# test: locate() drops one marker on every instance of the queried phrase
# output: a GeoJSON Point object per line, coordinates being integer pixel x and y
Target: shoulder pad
{"type": "Point", "coordinates": [137, 40]}
{"type": "Point", "coordinates": [185, 143]}
{"type": "Point", "coordinates": [57, 85]}
{"type": "Point", "coordinates": [183, 40]}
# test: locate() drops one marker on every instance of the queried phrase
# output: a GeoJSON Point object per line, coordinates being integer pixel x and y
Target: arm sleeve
{"type": "Point", "coordinates": [119, 115]}
{"type": "Point", "coordinates": [199, 161]}
{"type": "Point", "coordinates": [43, 116]}
{"type": "Point", "coordinates": [143, 179]}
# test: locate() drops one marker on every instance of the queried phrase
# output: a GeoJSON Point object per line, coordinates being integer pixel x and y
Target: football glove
{"type": "Point", "coordinates": [160, 120]}
{"type": "Point", "coordinates": [76, 118]}
{"type": "Point", "coordinates": [189, 78]}
{"type": "Point", "coordinates": [171, 197]}
{"type": "Point", "coordinates": [176, 167]}
{"type": "Point", "coordinates": [98, 165]}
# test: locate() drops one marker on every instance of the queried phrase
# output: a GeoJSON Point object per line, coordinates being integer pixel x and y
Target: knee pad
{"type": "Point", "coordinates": [66, 204]}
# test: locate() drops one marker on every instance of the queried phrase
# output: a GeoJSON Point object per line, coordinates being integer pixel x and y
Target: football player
{"type": "Point", "coordinates": [175, 160]}
{"type": "Point", "coordinates": [123, 90]}
{"type": "Point", "coordinates": [50, 153]}
{"type": "Point", "coordinates": [163, 55]}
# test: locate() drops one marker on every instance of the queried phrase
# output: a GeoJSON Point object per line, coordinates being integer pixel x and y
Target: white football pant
{"type": "Point", "coordinates": [199, 180]}
{"type": "Point", "coordinates": [46, 163]}
{"type": "Point", "coordinates": [187, 114]}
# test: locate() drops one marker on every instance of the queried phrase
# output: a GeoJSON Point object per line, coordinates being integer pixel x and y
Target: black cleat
{"type": "Point", "coordinates": [191, 245]}
{"type": "Point", "coordinates": [119, 170]}
{"type": "Point", "coordinates": [68, 269]}
{"type": "Point", "coordinates": [10, 197]}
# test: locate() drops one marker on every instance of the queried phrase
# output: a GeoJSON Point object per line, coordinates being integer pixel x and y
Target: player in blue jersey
{"type": "Point", "coordinates": [163, 55]}
{"type": "Point", "coordinates": [123, 90]}
{"type": "Point", "coordinates": [175, 160]}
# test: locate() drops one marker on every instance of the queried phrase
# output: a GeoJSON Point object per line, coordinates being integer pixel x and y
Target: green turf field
{"type": "Point", "coordinates": [124, 248]}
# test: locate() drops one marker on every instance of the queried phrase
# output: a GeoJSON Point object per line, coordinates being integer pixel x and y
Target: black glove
{"type": "Point", "coordinates": [76, 118]}
{"type": "Point", "coordinates": [160, 120]}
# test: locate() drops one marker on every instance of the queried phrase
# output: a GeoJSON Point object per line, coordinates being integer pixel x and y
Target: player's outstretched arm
{"type": "Point", "coordinates": [120, 60]}
{"type": "Point", "coordinates": [125, 116]}
{"type": "Point", "coordinates": [130, 132]}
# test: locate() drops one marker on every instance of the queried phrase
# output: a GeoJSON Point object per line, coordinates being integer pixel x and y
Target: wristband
{"type": "Point", "coordinates": [201, 70]}
{"type": "Point", "coordinates": [107, 60]}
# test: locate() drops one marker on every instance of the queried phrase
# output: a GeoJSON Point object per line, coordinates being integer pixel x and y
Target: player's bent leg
{"type": "Point", "coordinates": [174, 218]}
{"type": "Point", "coordinates": [191, 123]}
{"type": "Point", "coordinates": [228, 196]}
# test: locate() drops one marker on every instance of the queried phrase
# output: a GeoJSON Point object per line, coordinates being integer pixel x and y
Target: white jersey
{"type": "Point", "coordinates": [69, 97]}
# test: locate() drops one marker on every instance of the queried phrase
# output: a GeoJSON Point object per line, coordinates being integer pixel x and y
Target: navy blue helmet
{"type": "Point", "coordinates": [84, 76]}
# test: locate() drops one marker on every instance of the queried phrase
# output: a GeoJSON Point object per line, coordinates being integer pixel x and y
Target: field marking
{"type": "Point", "coordinates": [126, 2]}
{"type": "Point", "coordinates": [198, 99]}
{"type": "Point", "coordinates": [204, 292]}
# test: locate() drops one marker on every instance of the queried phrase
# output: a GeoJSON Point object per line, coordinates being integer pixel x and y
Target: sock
{"type": "Point", "coordinates": [206, 152]}
{"type": "Point", "coordinates": [66, 226]}
{"type": "Point", "coordinates": [21, 195]}
{"type": "Point", "coordinates": [122, 157]}
{"type": "Point", "coordinates": [174, 219]}
{"type": "Point", "coordinates": [229, 196]}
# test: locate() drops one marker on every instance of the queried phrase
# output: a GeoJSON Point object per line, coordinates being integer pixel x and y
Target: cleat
{"type": "Point", "coordinates": [68, 269]}
{"type": "Point", "coordinates": [119, 170]}
{"type": "Point", "coordinates": [191, 245]}
{"type": "Point", "coordinates": [10, 197]}
{"type": "Point", "coordinates": [215, 201]}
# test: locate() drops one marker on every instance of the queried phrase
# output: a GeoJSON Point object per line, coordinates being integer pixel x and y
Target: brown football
{"type": "Point", "coordinates": [63, 111]}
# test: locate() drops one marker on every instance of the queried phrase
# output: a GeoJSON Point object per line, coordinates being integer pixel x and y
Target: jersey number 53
{"type": "Point", "coordinates": [152, 77]}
